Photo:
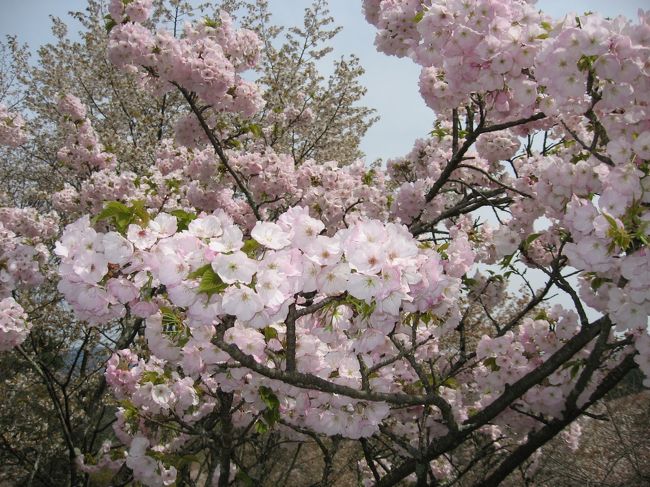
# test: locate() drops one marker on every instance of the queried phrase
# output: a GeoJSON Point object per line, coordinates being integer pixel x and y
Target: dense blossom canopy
{"type": "Point", "coordinates": [344, 300]}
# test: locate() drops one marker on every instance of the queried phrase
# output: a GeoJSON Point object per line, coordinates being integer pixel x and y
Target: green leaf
{"type": "Point", "coordinates": [233, 144]}
{"type": "Point", "coordinates": [506, 261]}
{"type": "Point", "coordinates": [123, 215]}
{"type": "Point", "coordinates": [151, 376]}
{"type": "Point", "coordinates": [173, 184]}
{"type": "Point", "coordinates": [256, 130]}
{"type": "Point", "coordinates": [360, 307]}
{"type": "Point", "coordinates": [116, 454]}
{"type": "Point", "coordinates": [414, 388]}
{"type": "Point", "coordinates": [271, 414]}
{"type": "Point", "coordinates": [269, 398]}
{"type": "Point", "coordinates": [596, 282]}
{"type": "Point", "coordinates": [215, 24]}
{"type": "Point", "coordinates": [140, 213]}
{"type": "Point", "coordinates": [109, 23]}
{"type": "Point", "coordinates": [183, 219]}
{"type": "Point", "coordinates": [439, 132]}
{"type": "Point", "coordinates": [111, 209]}
{"type": "Point", "coordinates": [491, 363]}
{"type": "Point", "coordinates": [131, 413]}
{"type": "Point", "coordinates": [211, 283]}
{"type": "Point", "coordinates": [368, 177]}
{"type": "Point", "coordinates": [389, 201]}
{"type": "Point", "coordinates": [250, 247]}
{"type": "Point", "coordinates": [530, 239]}
{"type": "Point", "coordinates": [146, 291]}
{"type": "Point", "coordinates": [451, 383]}
{"type": "Point", "coordinates": [541, 315]}
{"type": "Point", "coordinates": [270, 333]}
{"type": "Point", "coordinates": [118, 212]}
{"type": "Point", "coordinates": [575, 369]}
{"type": "Point", "coordinates": [261, 427]}
{"type": "Point", "coordinates": [610, 220]}
{"type": "Point", "coordinates": [585, 63]}
{"type": "Point", "coordinates": [619, 235]}
{"type": "Point", "coordinates": [171, 321]}
{"type": "Point", "coordinates": [197, 274]}
{"type": "Point", "coordinates": [419, 16]}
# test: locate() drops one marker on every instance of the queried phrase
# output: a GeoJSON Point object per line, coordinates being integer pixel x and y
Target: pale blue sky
{"type": "Point", "coordinates": [391, 82]}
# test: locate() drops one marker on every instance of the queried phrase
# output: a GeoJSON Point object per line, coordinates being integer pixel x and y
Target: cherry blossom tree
{"type": "Point", "coordinates": [130, 122]}
{"type": "Point", "coordinates": [227, 280]}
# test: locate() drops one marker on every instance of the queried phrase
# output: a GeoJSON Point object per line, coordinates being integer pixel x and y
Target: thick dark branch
{"type": "Point", "coordinates": [466, 205]}
{"type": "Point", "coordinates": [291, 338]}
{"type": "Point", "coordinates": [453, 439]}
{"type": "Point", "coordinates": [539, 438]}
{"type": "Point", "coordinates": [161, 123]}
{"type": "Point", "coordinates": [319, 305]}
{"type": "Point", "coordinates": [588, 148]}
{"type": "Point", "coordinates": [309, 381]}
{"type": "Point", "coordinates": [563, 355]}
{"type": "Point", "coordinates": [454, 131]}
{"type": "Point", "coordinates": [368, 456]}
{"type": "Point", "coordinates": [593, 361]}
{"type": "Point", "coordinates": [494, 180]}
{"type": "Point", "coordinates": [226, 435]}
{"type": "Point", "coordinates": [457, 158]}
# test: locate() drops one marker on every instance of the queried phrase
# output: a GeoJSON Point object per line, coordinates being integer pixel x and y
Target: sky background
{"type": "Point", "coordinates": [391, 82]}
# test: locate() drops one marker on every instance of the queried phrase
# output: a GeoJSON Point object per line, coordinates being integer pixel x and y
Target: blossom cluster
{"type": "Point", "coordinates": [82, 152]}
{"type": "Point", "coordinates": [14, 326]}
{"type": "Point", "coordinates": [185, 282]}
{"type": "Point", "coordinates": [11, 128]}
{"type": "Point", "coordinates": [22, 261]}
{"type": "Point", "coordinates": [413, 174]}
{"type": "Point", "coordinates": [207, 60]}
{"type": "Point", "coordinates": [520, 60]}
{"type": "Point", "coordinates": [465, 48]}
{"type": "Point", "coordinates": [364, 260]}
{"type": "Point", "coordinates": [23, 255]}
{"type": "Point", "coordinates": [29, 223]}
{"type": "Point", "coordinates": [185, 177]}
{"type": "Point", "coordinates": [602, 229]}
{"type": "Point", "coordinates": [134, 10]}
{"type": "Point", "coordinates": [145, 468]}
{"type": "Point", "coordinates": [510, 357]}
